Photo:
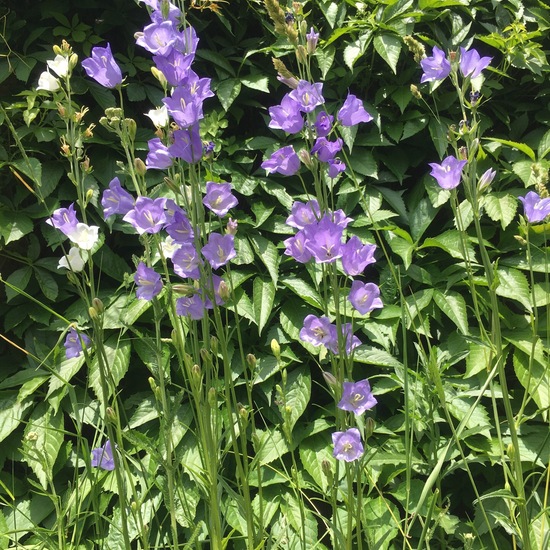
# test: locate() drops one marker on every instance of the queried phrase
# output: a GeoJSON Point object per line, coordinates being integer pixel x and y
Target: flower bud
{"type": "Point", "coordinates": [159, 76]}
{"type": "Point", "coordinates": [213, 398]}
{"type": "Point", "coordinates": [131, 127]}
{"type": "Point", "coordinates": [73, 61]}
{"type": "Point", "coordinates": [196, 374]}
{"type": "Point", "coordinates": [305, 157]}
{"type": "Point", "coordinates": [140, 167]}
{"type": "Point", "coordinates": [111, 416]}
{"type": "Point", "coordinates": [93, 313]}
{"type": "Point", "coordinates": [326, 468]}
{"type": "Point", "coordinates": [214, 344]}
{"type": "Point", "coordinates": [276, 349]}
{"type": "Point", "coordinates": [486, 178]}
{"type": "Point", "coordinates": [330, 379]}
{"type": "Point", "coordinates": [370, 424]}
{"type": "Point", "coordinates": [415, 91]}
{"type": "Point", "coordinates": [57, 50]}
{"type": "Point", "coordinates": [231, 228]}
{"type": "Point", "coordinates": [252, 361]}
{"type": "Point", "coordinates": [301, 54]}
{"type": "Point", "coordinates": [206, 356]}
{"type": "Point", "coordinates": [223, 291]}
{"type": "Point", "coordinates": [152, 383]}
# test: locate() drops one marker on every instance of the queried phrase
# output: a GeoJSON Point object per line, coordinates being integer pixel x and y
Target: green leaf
{"type": "Point", "coordinates": [313, 452]}
{"type": "Point", "coordinates": [269, 446]}
{"type": "Point", "coordinates": [263, 296]}
{"type": "Point", "coordinates": [20, 279]}
{"type": "Point", "coordinates": [267, 252]}
{"type": "Point", "coordinates": [388, 47]}
{"type": "Point", "coordinates": [452, 242]}
{"type": "Point", "coordinates": [403, 248]}
{"type": "Point", "coordinates": [227, 91]}
{"type": "Point", "coordinates": [533, 376]}
{"type": "Point", "coordinates": [382, 518]}
{"type": "Point", "coordinates": [304, 290]}
{"type": "Point", "coordinates": [512, 284]}
{"type": "Point", "coordinates": [375, 356]}
{"type": "Point", "coordinates": [43, 439]}
{"type": "Point", "coordinates": [111, 264]}
{"type": "Point", "coordinates": [297, 394]}
{"type": "Point", "coordinates": [325, 59]}
{"type": "Point", "coordinates": [363, 162]}
{"type": "Point", "coordinates": [14, 225]}
{"type": "Point", "coordinates": [12, 412]}
{"type": "Point", "coordinates": [256, 82]}
{"type": "Point", "coordinates": [64, 373]}
{"type": "Point", "coordinates": [544, 146]}
{"type": "Point", "coordinates": [117, 357]}
{"type": "Point", "coordinates": [453, 305]}
{"type": "Point", "coordinates": [47, 283]}
{"type": "Point", "coordinates": [501, 207]}
{"type": "Point", "coordinates": [523, 147]}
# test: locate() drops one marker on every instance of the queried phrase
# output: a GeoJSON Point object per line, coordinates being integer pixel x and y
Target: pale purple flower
{"type": "Point", "coordinates": [471, 64]}
{"type": "Point", "coordinates": [448, 173]}
{"type": "Point", "coordinates": [147, 216]}
{"type": "Point", "coordinates": [345, 337]}
{"type": "Point", "coordinates": [103, 68]}
{"type": "Point", "coordinates": [158, 157]}
{"type": "Point", "coordinates": [316, 330]}
{"type": "Point", "coordinates": [191, 306]}
{"type": "Point", "coordinates": [436, 67]}
{"type": "Point", "coordinates": [187, 261]}
{"type": "Point", "coordinates": [73, 343]}
{"type": "Point", "coordinates": [102, 457]}
{"type": "Point", "coordinates": [357, 397]}
{"type": "Point", "coordinates": [187, 145]}
{"type": "Point", "coordinates": [326, 150]}
{"type": "Point", "coordinates": [219, 249]}
{"type": "Point", "coordinates": [486, 178]}
{"type": "Point", "coordinates": [64, 219]}
{"type": "Point", "coordinates": [180, 228]}
{"type": "Point", "coordinates": [323, 124]}
{"type": "Point", "coordinates": [364, 297]}
{"type": "Point", "coordinates": [312, 38]}
{"type": "Point", "coordinates": [174, 66]}
{"type": "Point", "coordinates": [148, 282]}
{"type": "Point", "coordinates": [218, 198]}
{"type": "Point", "coordinates": [284, 161]}
{"type": "Point", "coordinates": [116, 200]}
{"type": "Point", "coordinates": [185, 107]}
{"type": "Point", "coordinates": [304, 214]}
{"type": "Point", "coordinates": [535, 208]}
{"type": "Point", "coordinates": [347, 445]}
{"type": "Point", "coordinates": [297, 249]}
{"type": "Point", "coordinates": [356, 256]}
{"type": "Point", "coordinates": [286, 116]}
{"type": "Point", "coordinates": [324, 240]}
{"type": "Point", "coordinates": [335, 167]}
{"type": "Point", "coordinates": [308, 95]}
{"type": "Point", "coordinates": [353, 112]}
{"type": "Point", "coordinates": [158, 38]}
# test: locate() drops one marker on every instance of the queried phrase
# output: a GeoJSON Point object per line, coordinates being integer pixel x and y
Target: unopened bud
{"type": "Point", "coordinates": [213, 398]}
{"type": "Point", "coordinates": [301, 54]}
{"type": "Point", "coordinates": [223, 291]}
{"type": "Point", "coordinates": [231, 228]}
{"type": "Point", "coordinates": [330, 379]}
{"type": "Point", "coordinates": [415, 91]}
{"type": "Point", "coordinates": [486, 178]}
{"type": "Point", "coordinates": [214, 344]}
{"type": "Point", "coordinates": [243, 412]}
{"type": "Point", "coordinates": [93, 313]}
{"type": "Point", "coordinates": [510, 451]}
{"type": "Point", "coordinates": [159, 76]}
{"type": "Point", "coordinates": [57, 50]}
{"type": "Point", "coordinates": [452, 56]}
{"type": "Point", "coordinates": [65, 46]}
{"type": "Point", "coordinates": [134, 506]}
{"type": "Point", "coordinates": [276, 349]}
{"type": "Point", "coordinates": [152, 383]}
{"type": "Point", "coordinates": [61, 110]}
{"type": "Point", "coordinates": [196, 373]}
{"type": "Point", "coordinates": [205, 355]}
{"type": "Point", "coordinates": [110, 413]}
{"type": "Point", "coordinates": [463, 153]}
{"type": "Point", "coordinates": [252, 361]}
{"type": "Point", "coordinates": [86, 166]}
{"type": "Point", "coordinates": [305, 157]}
{"type": "Point", "coordinates": [131, 127]}
{"type": "Point", "coordinates": [140, 167]}
{"type": "Point", "coordinates": [89, 195]}
{"type": "Point", "coordinates": [370, 424]}
{"type": "Point", "coordinates": [186, 290]}
{"type": "Point", "coordinates": [326, 468]}
{"type": "Point", "coordinates": [73, 61]}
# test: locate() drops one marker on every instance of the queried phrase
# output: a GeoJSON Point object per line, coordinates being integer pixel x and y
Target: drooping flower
{"type": "Point", "coordinates": [284, 161]}
{"type": "Point", "coordinates": [286, 116]}
{"type": "Point", "coordinates": [347, 445]}
{"type": "Point", "coordinates": [345, 337]}
{"type": "Point", "coordinates": [73, 343]}
{"type": "Point", "coordinates": [353, 112]}
{"type": "Point", "coordinates": [324, 240]}
{"type": "Point", "coordinates": [449, 172]}
{"type": "Point", "coordinates": [102, 67]}
{"type": "Point", "coordinates": [326, 150]}
{"type": "Point", "coordinates": [187, 144]}
{"type": "Point", "coordinates": [296, 248]}
{"type": "Point", "coordinates": [219, 249]}
{"type": "Point", "coordinates": [147, 216]}
{"type": "Point", "coordinates": [535, 208]}
{"type": "Point", "coordinates": [308, 95]}
{"type": "Point", "coordinates": [185, 107]}
{"type": "Point", "coordinates": [364, 297]}
{"type": "Point", "coordinates": [471, 63]}
{"type": "Point", "coordinates": [159, 156]}
{"type": "Point", "coordinates": [64, 219]}
{"type": "Point", "coordinates": [436, 67]}
{"type": "Point", "coordinates": [159, 116]}
{"type": "Point", "coordinates": [48, 82]}
{"type": "Point", "coordinates": [316, 330]}
{"type": "Point", "coordinates": [186, 261]}
{"type": "Point", "coordinates": [218, 198]}
{"type": "Point", "coordinates": [102, 457]}
{"type": "Point", "coordinates": [304, 214]}
{"type": "Point", "coordinates": [191, 306]}
{"type": "Point", "coordinates": [323, 124]}
{"type": "Point", "coordinates": [59, 65]}
{"type": "Point", "coordinates": [312, 38]}
{"type": "Point", "coordinates": [180, 228]}
{"type": "Point", "coordinates": [148, 282]}
{"type": "Point", "coordinates": [335, 167]}
{"type": "Point", "coordinates": [116, 200]}
{"type": "Point", "coordinates": [74, 261]}
{"type": "Point", "coordinates": [357, 397]}
{"type": "Point", "coordinates": [175, 66]}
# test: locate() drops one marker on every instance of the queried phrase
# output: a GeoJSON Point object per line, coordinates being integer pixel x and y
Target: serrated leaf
{"type": "Point", "coordinates": [388, 47]}
{"type": "Point", "coordinates": [227, 91]}
{"type": "Point", "coordinates": [270, 446]}
{"type": "Point", "coordinates": [313, 452]}
{"type": "Point", "coordinates": [375, 356]}
{"type": "Point", "coordinates": [31, 168]}
{"type": "Point", "coordinates": [268, 254]}
{"type": "Point", "coordinates": [460, 408]}
{"type": "Point", "coordinates": [513, 284]}
{"type": "Point", "coordinates": [453, 305]}
{"type": "Point", "coordinates": [263, 296]}
{"type": "Point", "coordinates": [64, 372]}
{"type": "Point", "coordinates": [14, 225]}
{"type": "Point", "coordinates": [544, 146]}
{"type": "Point", "coordinates": [304, 290]}
{"type": "Point", "coordinates": [117, 358]}
{"type": "Point", "coordinates": [382, 517]}
{"type": "Point", "coordinates": [534, 377]}
{"type": "Point", "coordinates": [325, 59]}
{"type": "Point", "coordinates": [20, 279]}
{"type": "Point", "coordinates": [401, 247]}
{"type": "Point", "coordinates": [256, 82]}
{"type": "Point", "coordinates": [12, 412]}
{"type": "Point", "coordinates": [523, 147]}
{"type": "Point", "coordinates": [501, 207]}
{"type": "Point", "coordinates": [47, 283]}
{"type": "Point", "coordinates": [452, 242]}
{"type": "Point", "coordinates": [297, 394]}
{"type": "Point", "coordinates": [363, 162]}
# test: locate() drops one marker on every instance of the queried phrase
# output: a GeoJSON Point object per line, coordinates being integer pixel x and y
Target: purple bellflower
{"type": "Point", "coordinates": [147, 216]}
{"type": "Point", "coordinates": [296, 247]}
{"type": "Point", "coordinates": [218, 198]}
{"type": "Point", "coordinates": [335, 167]}
{"type": "Point", "coordinates": [174, 66]}
{"type": "Point", "coordinates": [471, 64]}
{"type": "Point", "coordinates": [349, 340]}
{"type": "Point", "coordinates": [352, 112]}
{"type": "Point", "coordinates": [448, 173]}
{"type": "Point", "coordinates": [357, 397]}
{"type": "Point", "coordinates": [64, 219]}
{"type": "Point", "coordinates": [436, 67]}
{"type": "Point", "coordinates": [316, 330]}
{"type": "Point", "coordinates": [187, 145]}
{"type": "Point", "coordinates": [148, 282]}
{"type": "Point", "coordinates": [308, 95]}
{"type": "Point", "coordinates": [286, 116]}
{"type": "Point", "coordinates": [323, 124]}
{"type": "Point", "coordinates": [180, 228]}
{"type": "Point", "coordinates": [324, 240]}
{"type": "Point", "coordinates": [102, 457]}
{"type": "Point", "coordinates": [73, 343]}
{"type": "Point", "coordinates": [284, 161]}
{"type": "Point", "coordinates": [304, 214]}
{"type": "Point", "coordinates": [186, 261]}
{"type": "Point", "coordinates": [219, 249]}
{"type": "Point", "coordinates": [185, 107]}
{"type": "Point", "coordinates": [159, 157]}
{"type": "Point", "coordinates": [326, 150]}
{"type": "Point", "coordinates": [158, 38]}
{"type": "Point", "coordinates": [103, 68]}
{"type": "Point", "coordinates": [365, 297]}
{"type": "Point", "coordinates": [535, 208]}
{"type": "Point", "coordinates": [347, 445]}
{"type": "Point", "coordinates": [191, 306]}
{"type": "Point", "coordinates": [312, 38]}
{"type": "Point", "coordinates": [116, 200]}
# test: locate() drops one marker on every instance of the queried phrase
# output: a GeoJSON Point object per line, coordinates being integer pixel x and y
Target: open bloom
{"type": "Point", "coordinates": [75, 260]}
{"type": "Point", "coordinates": [436, 67]}
{"type": "Point", "coordinates": [347, 445]}
{"type": "Point", "coordinates": [284, 161]}
{"type": "Point", "coordinates": [73, 343]}
{"type": "Point", "coordinates": [316, 330]}
{"type": "Point", "coordinates": [357, 397]}
{"type": "Point", "coordinates": [148, 282]}
{"type": "Point", "coordinates": [218, 198]}
{"type": "Point", "coordinates": [535, 208]}
{"type": "Point", "coordinates": [352, 112]}
{"type": "Point", "coordinates": [147, 216]}
{"type": "Point", "coordinates": [471, 63]}
{"type": "Point", "coordinates": [64, 219]}
{"type": "Point", "coordinates": [448, 173]}
{"type": "Point", "coordinates": [286, 116]}
{"type": "Point", "coordinates": [308, 95]}
{"type": "Point", "coordinates": [48, 82]}
{"type": "Point", "coordinates": [364, 297]}
{"type": "Point", "coordinates": [102, 67]}
{"type": "Point", "coordinates": [102, 457]}
{"type": "Point", "coordinates": [219, 249]}
{"type": "Point", "coordinates": [116, 200]}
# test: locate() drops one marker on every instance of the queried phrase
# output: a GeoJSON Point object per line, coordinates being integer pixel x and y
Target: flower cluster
{"type": "Point", "coordinates": [438, 66]}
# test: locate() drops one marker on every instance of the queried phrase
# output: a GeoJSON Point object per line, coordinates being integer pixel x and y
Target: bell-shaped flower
{"type": "Point", "coordinates": [103, 68]}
